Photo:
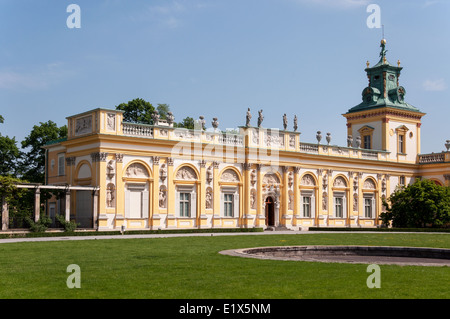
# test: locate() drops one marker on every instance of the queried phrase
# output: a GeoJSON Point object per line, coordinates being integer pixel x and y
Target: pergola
{"type": "Point", "coordinates": [37, 200]}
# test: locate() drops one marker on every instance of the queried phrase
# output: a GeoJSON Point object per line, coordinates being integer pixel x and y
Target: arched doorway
{"type": "Point", "coordinates": [270, 211]}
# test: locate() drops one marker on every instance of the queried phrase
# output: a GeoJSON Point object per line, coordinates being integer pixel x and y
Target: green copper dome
{"type": "Point", "coordinates": [383, 89]}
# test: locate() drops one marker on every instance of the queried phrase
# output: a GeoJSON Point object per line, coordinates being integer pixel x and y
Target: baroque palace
{"type": "Point", "coordinates": [137, 176]}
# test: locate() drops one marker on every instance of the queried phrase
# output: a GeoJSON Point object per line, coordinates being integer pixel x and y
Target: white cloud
{"type": "Point", "coordinates": [434, 85]}
{"type": "Point", "coordinates": [39, 79]}
{"type": "Point", "coordinates": [343, 4]}
{"type": "Point", "coordinates": [15, 80]}
{"type": "Point", "coordinates": [171, 14]}
{"type": "Point", "coordinates": [429, 3]}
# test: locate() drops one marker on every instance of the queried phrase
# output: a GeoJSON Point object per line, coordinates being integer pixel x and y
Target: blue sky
{"type": "Point", "coordinates": [216, 58]}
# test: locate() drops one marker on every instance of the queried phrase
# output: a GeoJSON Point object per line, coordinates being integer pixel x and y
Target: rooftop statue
{"type": "Point", "coordinates": [260, 118]}
{"type": "Point", "coordinates": [248, 118]}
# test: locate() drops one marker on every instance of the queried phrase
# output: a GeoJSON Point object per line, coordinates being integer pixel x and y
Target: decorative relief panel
{"type": "Point", "coordinates": [273, 139]}
{"type": "Point", "coordinates": [162, 197]}
{"type": "Point", "coordinates": [307, 180]}
{"type": "Point", "coordinates": [137, 170]}
{"type": "Point", "coordinates": [339, 182]}
{"type": "Point", "coordinates": [369, 184]}
{"type": "Point", "coordinates": [83, 125]}
{"type": "Point", "coordinates": [209, 198]}
{"type": "Point", "coordinates": [253, 199]}
{"type": "Point", "coordinates": [229, 176]}
{"type": "Point", "coordinates": [186, 173]}
{"type": "Point", "coordinates": [111, 121]}
{"type": "Point", "coordinates": [271, 179]}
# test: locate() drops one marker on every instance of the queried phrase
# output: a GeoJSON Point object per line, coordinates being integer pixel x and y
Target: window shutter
{"type": "Point", "coordinates": [193, 211]}
{"type": "Point", "coordinates": [127, 203]}
{"type": "Point", "coordinates": [236, 205]}
{"type": "Point", "coordinates": [145, 204]}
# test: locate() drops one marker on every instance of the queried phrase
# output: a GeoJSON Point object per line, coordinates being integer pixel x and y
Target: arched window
{"type": "Point", "coordinates": [340, 197]}
{"type": "Point", "coordinates": [186, 192]}
{"type": "Point", "coordinates": [229, 196]}
{"type": "Point", "coordinates": [136, 191]}
{"type": "Point", "coordinates": [369, 188]}
{"type": "Point", "coordinates": [308, 196]}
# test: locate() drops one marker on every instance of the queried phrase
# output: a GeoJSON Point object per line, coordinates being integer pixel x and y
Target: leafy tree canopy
{"type": "Point", "coordinates": [137, 111]}
{"type": "Point", "coordinates": [421, 204]}
{"type": "Point", "coordinates": [187, 122]}
{"type": "Point", "coordinates": [163, 109]}
{"type": "Point", "coordinates": [9, 153]}
{"type": "Point", "coordinates": [33, 162]}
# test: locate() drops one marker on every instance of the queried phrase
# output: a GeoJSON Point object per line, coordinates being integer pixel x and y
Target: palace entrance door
{"type": "Point", "coordinates": [270, 211]}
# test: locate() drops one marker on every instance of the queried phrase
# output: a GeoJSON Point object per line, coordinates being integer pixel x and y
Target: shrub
{"type": "Point", "coordinates": [41, 225]}
{"type": "Point", "coordinates": [422, 204]}
{"type": "Point", "coordinates": [69, 226]}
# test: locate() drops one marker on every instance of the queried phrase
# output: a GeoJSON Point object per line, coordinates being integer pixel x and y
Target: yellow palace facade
{"type": "Point", "coordinates": [141, 176]}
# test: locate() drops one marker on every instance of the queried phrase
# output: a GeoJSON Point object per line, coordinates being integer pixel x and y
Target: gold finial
{"type": "Point", "coordinates": [384, 60]}
{"type": "Point", "coordinates": [398, 63]}
{"type": "Point", "coordinates": [367, 63]}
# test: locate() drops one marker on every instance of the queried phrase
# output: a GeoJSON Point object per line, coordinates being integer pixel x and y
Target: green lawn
{"type": "Point", "coordinates": [191, 267]}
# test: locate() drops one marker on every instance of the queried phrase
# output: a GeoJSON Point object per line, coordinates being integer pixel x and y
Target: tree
{"type": "Point", "coordinates": [421, 204]}
{"type": "Point", "coordinates": [33, 161]}
{"type": "Point", "coordinates": [9, 155]}
{"type": "Point", "coordinates": [163, 109]}
{"type": "Point", "coordinates": [137, 111]}
{"type": "Point", "coordinates": [187, 122]}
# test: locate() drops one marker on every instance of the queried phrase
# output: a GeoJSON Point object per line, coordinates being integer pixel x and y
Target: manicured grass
{"type": "Point", "coordinates": [191, 267]}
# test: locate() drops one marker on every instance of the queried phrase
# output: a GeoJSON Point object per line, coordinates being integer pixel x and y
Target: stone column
{"type": "Point", "coordinates": [67, 206]}
{"type": "Point", "coordinates": [95, 208]}
{"type": "Point", "coordinates": [245, 199]}
{"type": "Point", "coordinates": [360, 196]}
{"type": "Point", "coordinates": [155, 196]}
{"type": "Point", "coordinates": [120, 189]}
{"type": "Point", "coordinates": [170, 190]}
{"type": "Point", "coordinates": [378, 201]}
{"type": "Point", "coordinates": [350, 199]}
{"type": "Point", "coordinates": [101, 181]}
{"type": "Point", "coordinates": [296, 195]}
{"type": "Point", "coordinates": [5, 214]}
{"type": "Point", "coordinates": [319, 197]}
{"type": "Point", "coordinates": [330, 205]}
{"type": "Point", "coordinates": [37, 204]}
{"type": "Point", "coordinates": [202, 194]}
{"type": "Point", "coordinates": [284, 197]}
{"type": "Point", "coordinates": [216, 192]}
{"type": "Point", "coordinates": [259, 196]}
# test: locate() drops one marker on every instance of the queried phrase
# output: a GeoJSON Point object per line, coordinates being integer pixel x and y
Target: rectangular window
{"type": "Point", "coordinates": [61, 165]}
{"type": "Point", "coordinates": [306, 206]}
{"type": "Point", "coordinates": [402, 180]}
{"type": "Point", "coordinates": [185, 204]}
{"type": "Point", "coordinates": [228, 205]}
{"type": "Point", "coordinates": [368, 207]}
{"type": "Point", "coordinates": [339, 206]}
{"type": "Point", "coordinates": [367, 142]}
{"type": "Point", "coordinates": [401, 144]}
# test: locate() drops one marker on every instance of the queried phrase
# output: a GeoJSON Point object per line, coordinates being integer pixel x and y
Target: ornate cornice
{"type": "Point", "coordinates": [384, 112]}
